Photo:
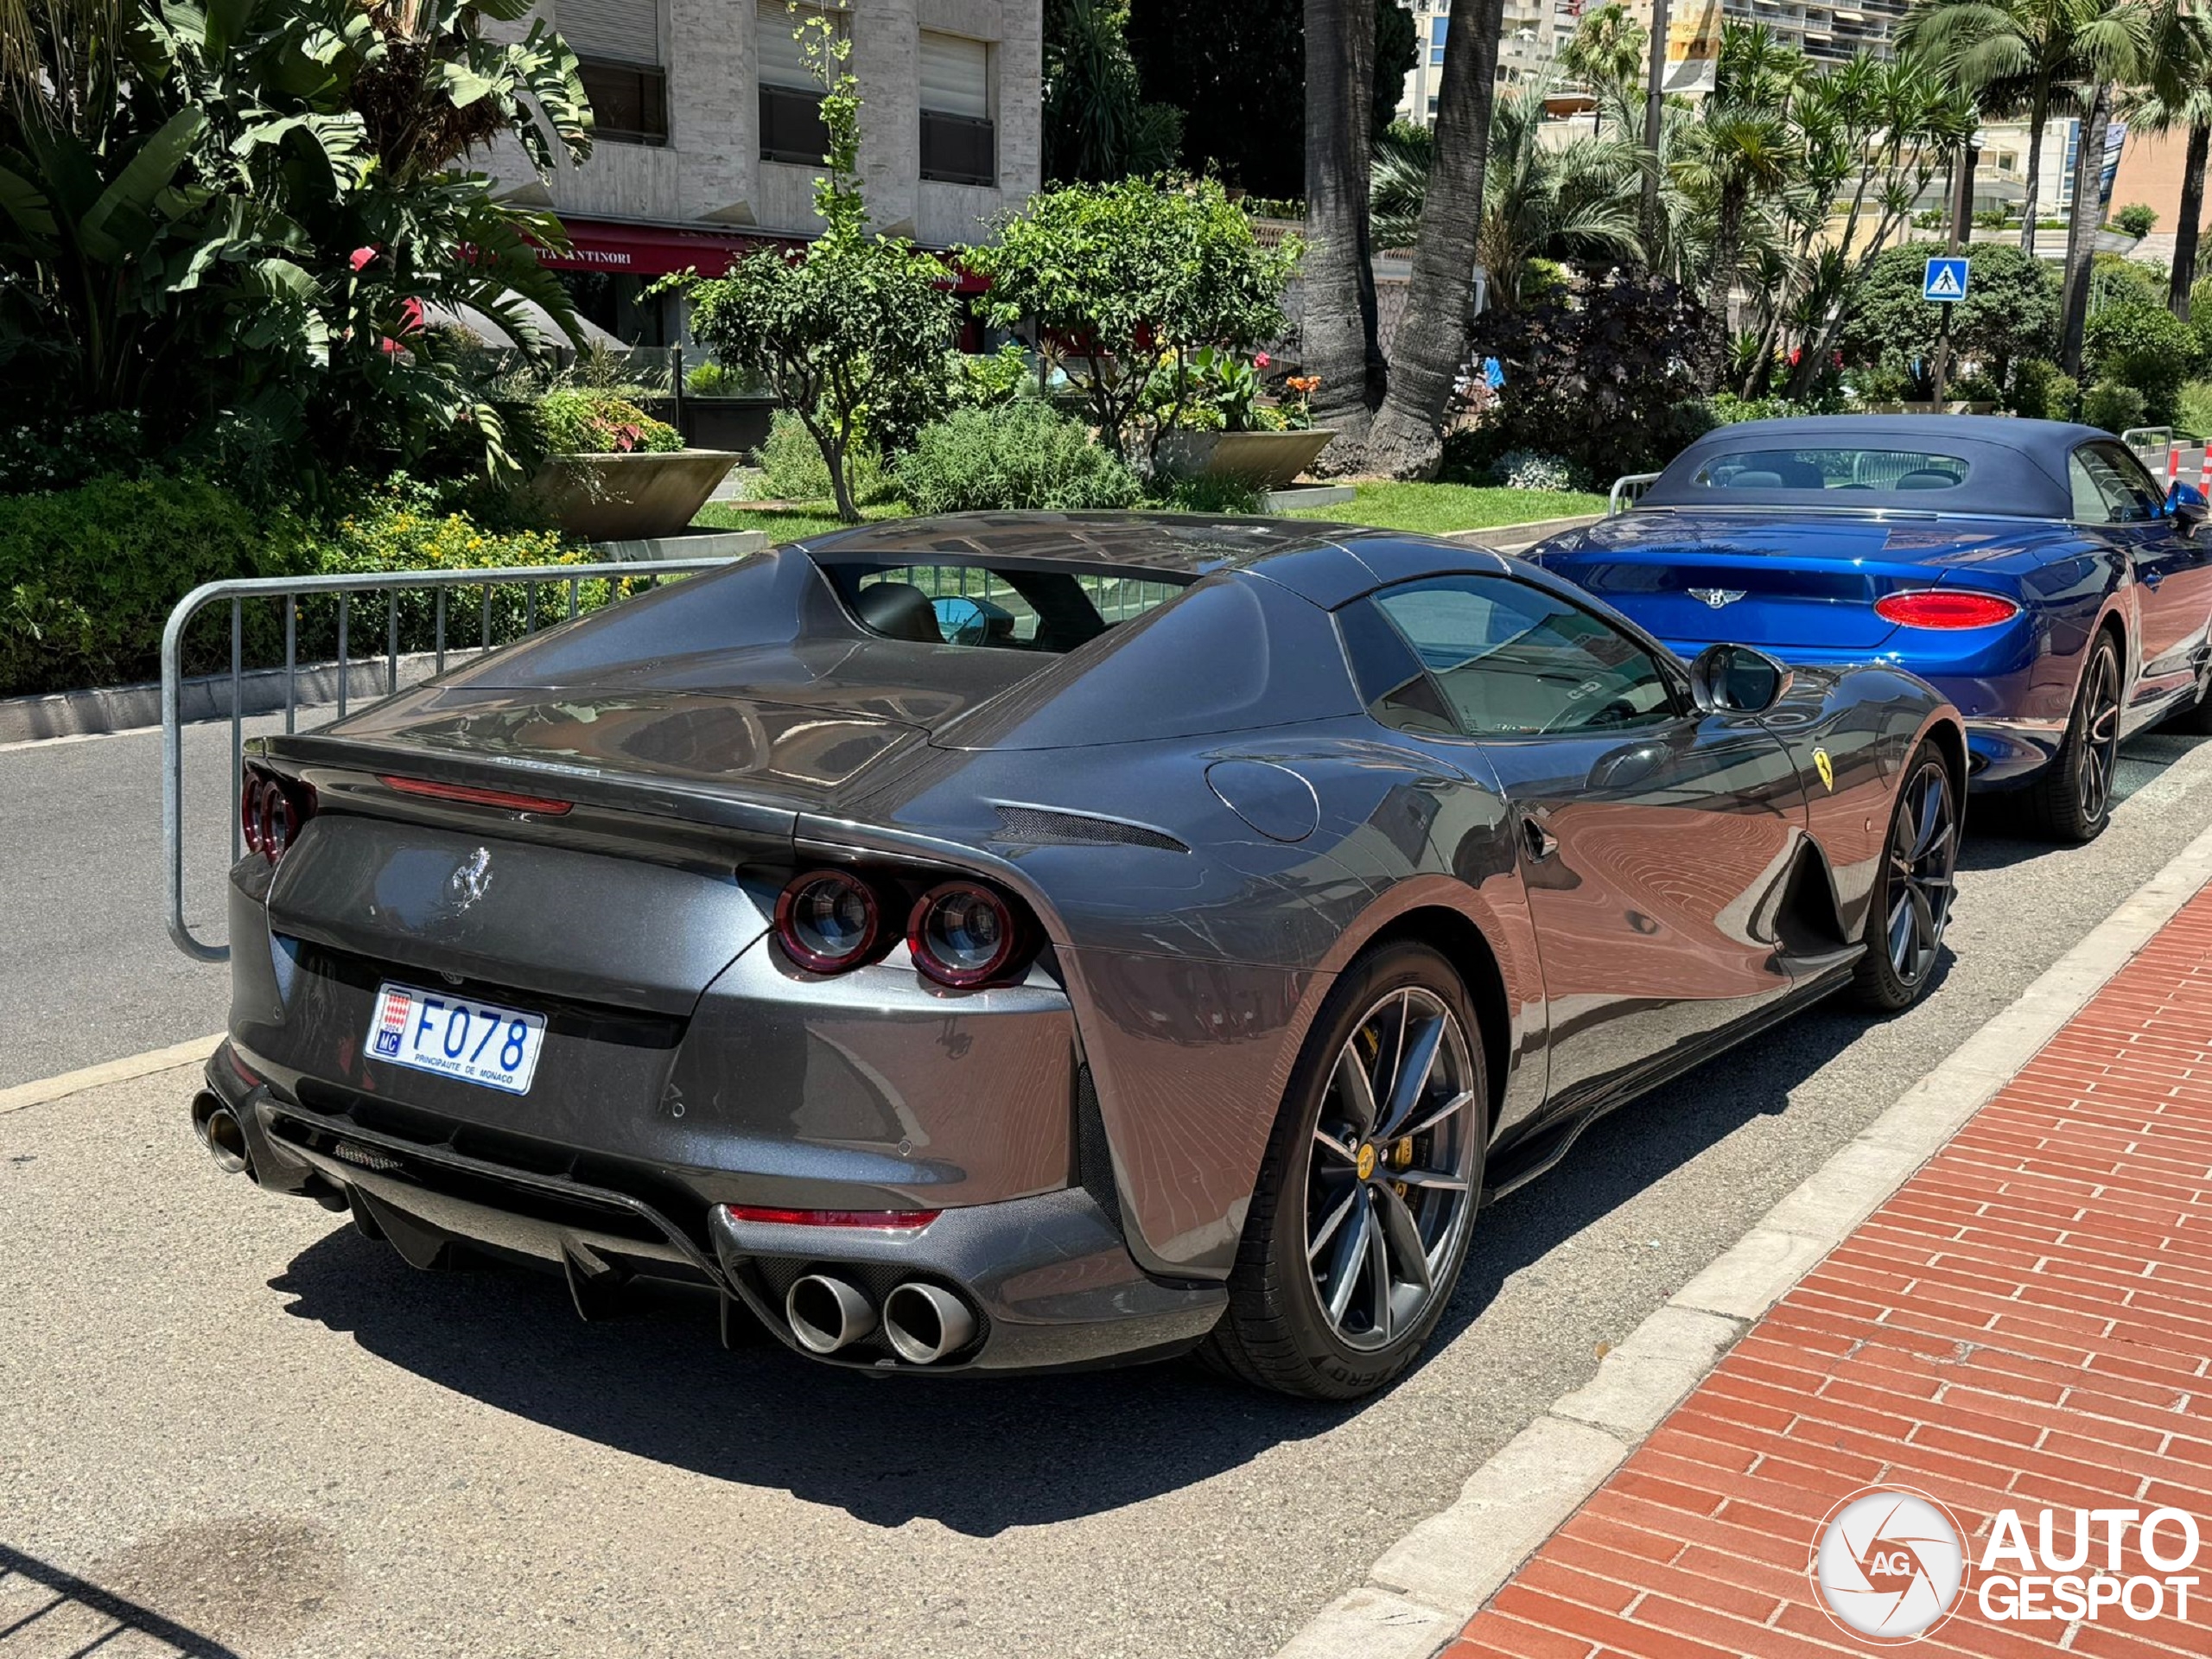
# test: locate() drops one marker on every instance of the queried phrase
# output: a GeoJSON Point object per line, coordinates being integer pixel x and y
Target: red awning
{"type": "Point", "coordinates": [657, 250]}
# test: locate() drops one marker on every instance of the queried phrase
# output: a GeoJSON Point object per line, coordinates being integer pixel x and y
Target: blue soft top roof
{"type": "Point", "coordinates": [2015, 468]}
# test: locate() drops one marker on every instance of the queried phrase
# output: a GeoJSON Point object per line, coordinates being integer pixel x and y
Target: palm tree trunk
{"type": "Point", "coordinates": [2032, 180]}
{"type": "Point", "coordinates": [1337, 324]}
{"type": "Point", "coordinates": [1407, 438]}
{"type": "Point", "coordinates": [2192, 217]}
{"type": "Point", "coordinates": [1727, 245]}
{"type": "Point", "coordinates": [2081, 225]}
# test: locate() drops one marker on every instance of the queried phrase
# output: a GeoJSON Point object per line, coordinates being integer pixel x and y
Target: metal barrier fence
{"type": "Point", "coordinates": [392, 583]}
{"type": "Point", "coordinates": [1626, 490]}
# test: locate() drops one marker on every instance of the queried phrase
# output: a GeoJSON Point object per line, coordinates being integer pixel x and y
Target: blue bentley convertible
{"type": "Point", "coordinates": [2034, 571]}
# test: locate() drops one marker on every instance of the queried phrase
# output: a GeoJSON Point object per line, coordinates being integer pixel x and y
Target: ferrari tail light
{"type": "Point", "coordinates": [830, 921]}
{"type": "Point", "coordinates": [963, 934]}
{"type": "Point", "coordinates": [1947, 608]}
{"type": "Point", "coordinates": [272, 811]}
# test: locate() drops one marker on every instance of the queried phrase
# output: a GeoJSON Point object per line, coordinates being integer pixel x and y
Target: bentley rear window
{"type": "Point", "coordinates": [1836, 468]}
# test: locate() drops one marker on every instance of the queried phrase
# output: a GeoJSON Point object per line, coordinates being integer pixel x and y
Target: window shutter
{"type": "Point", "coordinates": [783, 59]}
{"type": "Point", "coordinates": [954, 76]}
{"type": "Point", "coordinates": [614, 31]}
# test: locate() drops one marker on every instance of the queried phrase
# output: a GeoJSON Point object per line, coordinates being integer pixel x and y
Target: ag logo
{"type": "Point", "coordinates": [1890, 1564]}
{"type": "Point", "coordinates": [1826, 767]}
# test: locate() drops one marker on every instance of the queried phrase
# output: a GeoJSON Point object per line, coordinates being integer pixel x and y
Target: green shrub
{"type": "Point", "coordinates": [2136, 218]}
{"type": "Point", "coordinates": [88, 576]}
{"type": "Point", "coordinates": [1215, 495]}
{"type": "Point", "coordinates": [1019, 455]}
{"type": "Point", "coordinates": [793, 469]}
{"type": "Point", "coordinates": [2140, 344]}
{"type": "Point", "coordinates": [2037, 390]}
{"type": "Point", "coordinates": [999, 378]}
{"type": "Point", "coordinates": [590, 421]}
{"type": "Point", "coordinates": [2113, 406]}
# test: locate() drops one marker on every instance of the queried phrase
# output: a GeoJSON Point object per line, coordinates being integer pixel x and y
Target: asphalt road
{"type": "Point", "coordinates": [227, 1411]}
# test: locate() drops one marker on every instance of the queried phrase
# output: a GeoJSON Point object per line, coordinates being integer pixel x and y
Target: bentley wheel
{"type": "Point", "coordinates": [1910, 905]}
{"type": "Point", "coordinates": [1369, 1190]}
{"type": "Point", "coordinates": [2071, 800]}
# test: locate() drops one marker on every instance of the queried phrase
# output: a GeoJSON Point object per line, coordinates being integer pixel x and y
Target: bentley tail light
{"type": "Point", "coordinates": [1937, 607]}
{"type": "Point", "coordinates": [271, 811]}
{"type": "Point", "coordinates": [963, 934]}
{"type": "Point", "coordinates": [829, 920]}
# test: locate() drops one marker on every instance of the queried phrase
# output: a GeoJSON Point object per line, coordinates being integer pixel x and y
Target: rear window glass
{"type": "Point", "coordinates": [1832, 469]}
{"type": "Point", "coordinates": [1022, 608]}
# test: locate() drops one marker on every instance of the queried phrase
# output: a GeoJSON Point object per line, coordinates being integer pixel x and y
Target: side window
{"type": "Point", "coordinates": [1515, 661]}
{"type": "Point", "coordinates": [2129, 496]}
{"type": "Point", "coordinates": [2089, 505]}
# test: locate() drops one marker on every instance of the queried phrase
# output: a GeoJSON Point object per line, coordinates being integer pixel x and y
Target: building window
{"type": "Point", "coordinates": [1436, 28]}
{"type": "Point", "coordinates": [959, 139]}
{"type": "Point", "coordinates": [617, 43]}
{"type": "Point", "coordinates": [629, 102]}
{"type": "Point", "coordinates": [790, 98]}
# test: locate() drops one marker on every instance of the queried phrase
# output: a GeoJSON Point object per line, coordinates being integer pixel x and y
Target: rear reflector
{"type": "Point", "coordinates": [468, 796]}
{"type": "Point", "coordinates": [831, 1217]}
{"type": "Point", "coordinates": [1934, 607]}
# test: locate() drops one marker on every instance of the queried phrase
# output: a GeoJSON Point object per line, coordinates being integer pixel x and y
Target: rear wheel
{"type": "Point", "coordinates": [2072, 799]}
{"type": "Point", "coordinates": [1910, 905]}
{"type": "Point", "coordinates": [1360, 1222]}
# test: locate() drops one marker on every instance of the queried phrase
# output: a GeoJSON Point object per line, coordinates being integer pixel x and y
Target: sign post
{"type": "Point", "coordinates": [1943, 283]}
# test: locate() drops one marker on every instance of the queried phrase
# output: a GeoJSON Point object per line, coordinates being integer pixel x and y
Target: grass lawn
{"type": "Point", "coordinates": [1435, 509]}
{"type": "Point", "coordinates": [1425, 509]}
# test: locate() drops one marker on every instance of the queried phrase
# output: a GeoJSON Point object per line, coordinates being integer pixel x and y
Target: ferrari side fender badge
{"type": "Point", "coordinates": [1826, 767]}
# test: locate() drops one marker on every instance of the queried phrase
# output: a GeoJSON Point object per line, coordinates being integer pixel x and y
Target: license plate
{"type": "Point", "coordinates": [457, 1037]}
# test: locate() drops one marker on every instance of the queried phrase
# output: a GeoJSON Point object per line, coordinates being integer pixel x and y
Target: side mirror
{"type": "Point", "coordinates": [2186, 506]}
{"type": "Point", "coordinates": [1737, 680]}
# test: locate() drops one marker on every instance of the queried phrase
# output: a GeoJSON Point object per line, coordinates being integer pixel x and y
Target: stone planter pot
{"type": "Point", "coordinates": [630, 498]}
{"type": "Point", "coordinates": [1267, 461]}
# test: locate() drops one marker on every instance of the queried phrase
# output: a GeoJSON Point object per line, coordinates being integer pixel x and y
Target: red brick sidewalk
{"type": "Point", "coordinates": [2026, 1324]}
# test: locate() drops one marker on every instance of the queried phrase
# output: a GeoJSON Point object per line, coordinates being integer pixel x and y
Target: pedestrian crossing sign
{"type": "Point", "coordinates": [1946, 280]}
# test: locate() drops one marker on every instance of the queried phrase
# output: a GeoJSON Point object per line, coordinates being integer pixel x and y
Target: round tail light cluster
{"type": "Point", "coordinates": [960, 933]}
{"type": "Point", "coordinates": [1953, 609]}
{"type": "Point", "coordinates": [271, 812]}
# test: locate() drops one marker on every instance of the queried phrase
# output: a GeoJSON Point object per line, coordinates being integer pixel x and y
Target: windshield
{"type": "Point", "coordinates": [1831, 468]}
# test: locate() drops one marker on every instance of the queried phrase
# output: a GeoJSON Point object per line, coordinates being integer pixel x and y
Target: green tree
{"type": "Point", "coordinates": [1097, 125]}
{"type": "Point", "coordinates": [1607, 54]}
{"type": "Point", "coordinates": [227, 217]}
{"type": "Point", "coordinates": [2139, 343]}
{"type": "Point", "coordinates": [1573, 202]}
{"type": "Point", "coordinates": [2182, 100]}
{"type": "Point", "coordinates": [1238, 74]}
{"type": "Point", "coordinates": [1125, 282]}
{"type": "Point", "coordinates": [851, 332]}
{"type": "Point", "coordinates": [2010, 314]}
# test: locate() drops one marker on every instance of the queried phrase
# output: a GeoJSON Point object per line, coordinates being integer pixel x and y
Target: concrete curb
{"type": "Point", "coordinates": [1518, 538]}
{"type": "Point", "coordinates": [43, 1090]}
{"type": "Point", "coordinates": [1429, 1584]}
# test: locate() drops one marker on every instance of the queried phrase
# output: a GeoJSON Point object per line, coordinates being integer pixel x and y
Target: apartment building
{"type": "Point", "coordinates": [1532, 32]}
{"type": "Point", "coordinates": [710, 134]}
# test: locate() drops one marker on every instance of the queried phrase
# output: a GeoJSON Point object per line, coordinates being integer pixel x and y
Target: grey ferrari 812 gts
{"type": "Point", "coordinates": [1018, 942]}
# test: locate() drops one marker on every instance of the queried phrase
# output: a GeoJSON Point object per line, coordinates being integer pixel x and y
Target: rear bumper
{"type": "Point", "coordinates": [1048, 1277]}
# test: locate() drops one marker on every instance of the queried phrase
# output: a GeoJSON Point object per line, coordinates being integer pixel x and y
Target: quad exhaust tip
{"type": "Point", "coordinates": [923, 1323]}
{"type": "Point", "coordinates": [221, 1134]}
{"type": "Point", "coordinates": [826, 1313]}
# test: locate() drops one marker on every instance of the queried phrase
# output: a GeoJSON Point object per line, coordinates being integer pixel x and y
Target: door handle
{"type": "Point", "coordinates": [1540, 841]}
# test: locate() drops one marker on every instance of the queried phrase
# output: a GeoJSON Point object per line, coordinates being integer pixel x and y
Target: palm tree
{"type": "Point", "coordinates": [1744, 149]}
{"type": "Point", "coordinates": [1337, 328]}
{"type": "Point", "coordinates": [1576, 201]}
{"type": "Point", "coordinates": [1606, 55]}
{"type": "Point", "coordinates": [2181, 98]}
{"type": "Point", "coordinates": [2117, 44]}
{"type": "Point", "coordinates": [1407, 438]}
{"type": "Point", "coordinates": [1399, 184]}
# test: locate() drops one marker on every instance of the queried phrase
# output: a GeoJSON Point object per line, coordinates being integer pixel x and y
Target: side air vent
{"type": "Point", "coordinates": [1039, 826]}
